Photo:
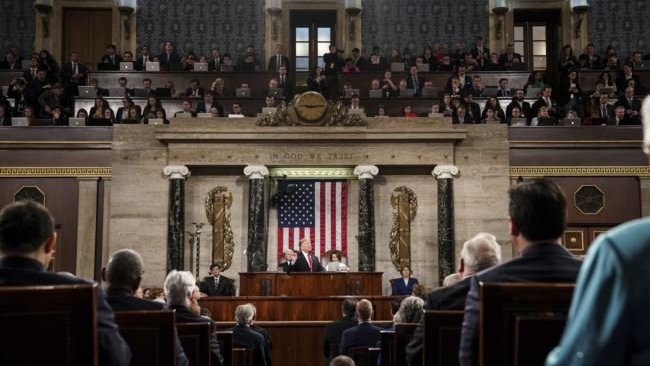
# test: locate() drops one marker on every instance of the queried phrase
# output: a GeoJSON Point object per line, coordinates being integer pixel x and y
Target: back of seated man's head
{"type": "Point", "coordinates": [479, 253]}
{"type": "Point", "coordinates": [124, 270]}
{"type": "Point", "coordinates": [25, 227]}
{"type": "Point", "coordinates": [364, 310]}
{"type": "Point", "coordinates": [244, 314]}
{"type": "Point", "coordinates": [342, 361]}
{"type": "Point", "coordinates": [537, 210]}
{"type": "Point", "coordinates": [349, 306]}
{"type": "Point", "coordinates": [179, 286]}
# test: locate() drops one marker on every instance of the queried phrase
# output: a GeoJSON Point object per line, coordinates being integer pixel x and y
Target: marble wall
{"type": "Point", "coordinates": [18, 26]}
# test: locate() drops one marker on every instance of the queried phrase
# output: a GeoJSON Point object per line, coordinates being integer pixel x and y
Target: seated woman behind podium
{"type": "Point", "coordinates": [335, 264]}
{"type": "Point", "coordinates": [403, 286]}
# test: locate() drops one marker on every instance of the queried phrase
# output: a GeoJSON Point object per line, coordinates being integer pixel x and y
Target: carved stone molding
{"type": "Point", "coordinates": [445, 171]}
{"type": "Point", "coordinates": [176, 171]}
{"type": "Point", "coordinates": [256, 171]}
{"type": "Point", "coordinates": [366, 171]}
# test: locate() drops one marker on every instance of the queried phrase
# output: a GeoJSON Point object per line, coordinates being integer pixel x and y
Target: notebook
{"type": "Point", "coordinates": [156, 121]}
{"type": "Point", "coordinates": [269, 110]}
{"type": "Point", "coordinates": [198, 66]}
{"type": "Point", "coordinates": [204, 115]}
{"type": "Point", "coordinates": [87, 92]}
{"type": "Point", "coordinates": [356, 111]}
{"type": "Point", "coordinates": [77, 122]}
{"type": "Point", "coordinates": [571, 122]}
{"type": "Point", "coordinates": [397, 67]}
{"type": "Point", "coordinates": [116, 92]}
{"type": "Point", "coordinates": [436, 115]}
{"type": "Point", "coordinates": [126, 66]}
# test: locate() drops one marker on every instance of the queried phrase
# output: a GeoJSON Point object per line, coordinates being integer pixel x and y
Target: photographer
{"type": "Point", "coordinates": [332, 66]}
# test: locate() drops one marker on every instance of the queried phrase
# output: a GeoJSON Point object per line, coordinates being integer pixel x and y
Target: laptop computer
{"type": "Point", "coordinates": [490, 91]}
{"type": "Point", "coordinates": [227, 68]}
{"type": "Point", "coordinates": [397, 67]}
{"type": "Point", "coordinates": [242, 93]}
{"type": "Point", "coordinates": [423, 68]}
{"type": "Point", "coordinates": [546, 122]}
{"type": "Point", "coordinates": [19, 122]}
{"type": "Point", "coordinates": [571, 122]}
{"type": "Point", "coordinates": [87, 92]}
{"type": "Point", "coordinates": [375, 94]}
{"type": "Point", "coordinates": [152, 67]}
{"type": "Point", "coordinates": [643, 65]}
{"type": "Point", "coordinates": [533, 92]}
{"type": "Point", "coordinates": [200, 66]}
{"type": "Point", "coordinates": [156, 121]}
{"type": "Point", "coordinates": [406, 93]}
{"type": "Point", "coordinates": [183, 115]}
{"type": "Point", "coordinates": [140, 93]}
{"type": "Point", "coordinates": [126, 66]}
{"type": "Point", "coordinates": [204, 115]}
{"type": "Point", "coordinates": [430, 92]}
{"type": "Point", "coordinates": [518, 122]}
{"type": "Point", "coordinates": [598, 121]}
{"type": "Point", "coordinates": [116, 92]}
{"type": "Point", "coordinates": [350, 92]}
{"type": "Point", "coordinates": [163, 92]}
{"type": "Point", "coordinates": [77, 122]}
{"type": "Point", "coordinates": [26, 64]}
{"type": "Point", "coordinates": [99, 122]}
{"type": "Point", "coordinates": [269, 110]}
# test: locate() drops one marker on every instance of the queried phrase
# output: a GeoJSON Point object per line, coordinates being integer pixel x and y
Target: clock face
{"type": "Point", "coordinates": [311, 106]}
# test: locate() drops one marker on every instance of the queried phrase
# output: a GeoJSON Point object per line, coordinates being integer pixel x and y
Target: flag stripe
{"type": "Point", "coordinates": [318, 187]}
{"type": "Point", "coordinates": [337, 204]}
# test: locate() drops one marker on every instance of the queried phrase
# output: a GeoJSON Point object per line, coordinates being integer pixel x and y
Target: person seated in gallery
{"type": "Point", "coordinates": [403, 286]}
{"type": "Point", "coordinates": [335, 264]}
{"type": "Point", "coordinates": [316, 80]}
{"type": "Point", "coordinates": [290, 257]}
{"type": "Point", "coordinates": [306, 261]}
{"type": "Point", "coordinates": [217, 284]}
{"type": "Point", "coordinates": [186, 109]}
{"type": "Point", "coordinates": [355, 102]}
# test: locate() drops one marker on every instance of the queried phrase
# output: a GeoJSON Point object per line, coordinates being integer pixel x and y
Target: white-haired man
{"type": "Point", "coordinates": [243, 335]}
{"type": "Point", "coordinates": [479, 253]}
{"type": "Point", "coordinates": [179, 286]}
{"type": "Point", "coordinates": [608, 321]}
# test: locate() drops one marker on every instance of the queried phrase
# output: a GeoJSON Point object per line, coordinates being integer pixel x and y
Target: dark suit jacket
{"type": "Point", "coordinates": [122, 300]}
{"type": "Point", "coordinates": [302, 265]}
{"type": "Point", "coordinates": [635, 106]}
{"type": "Point", "coordinates": [362, 335]}
{"type": "Point", "coordinates": [333, 333]}
{"type": "Point", "coordinates": [273, 63]}
{"type": "Point", "coordinates": [333, 64]}
{"type": "Point", "coordinates": [139, 64]}
{"type": "Point", "coordinates": [201, 107]}
{"type": "Point", "coordinates": [184, 315]}
{"type": "Point", "coordinates": [467, 120]}
{"type": "Point", "coordinates": [543, 262]}
{"type": "Point", "coordinates": [287, 87]}
{"type": "Point", "coordinates": [173, 60]}
{"type": "Point", "coordinates": [399, 288]}
{"type": "Point", "coordinates": [268, 346]}
{"type": "Point", "coordinates": [621, 81]}
{"type": "Point", "coordinates": [503, 59]}
{"type": "Point", "coordinates": [115, 64]}
{"type": "Point", "coordinates": [244, 336]}
{"type": "Point", "coordinates": [188, 92]}
{"type": "Point", "coordinates": [6, 120]}
{"type": "Point", "coordinates": [67, 73]}
{"type": "Point", "coordinates": [523, 106]}
{"type": "Point", "coordinates": [444, 298]}
{"type": "Point", "coordinates": [504, 93]}
{"type": "Point", "coordinates": [225, 287]}
{"type": "Point", "coordinates": [286, 267]}
{"type": "Point", "coordinates": [20, 271]}
{"type": "Point", "coordinates": [534, 109]}
{"type": "Point", "coordinates": [214, 65]}
{"type": "Point", "coordinates": [410, 84]}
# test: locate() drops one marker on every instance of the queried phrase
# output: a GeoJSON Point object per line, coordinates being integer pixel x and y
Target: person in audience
{"type": "Point", "coordinates": [493, 103]}
{"type": "Point", "coordinates": [411, 310]}
{"type": "Point", "coordinates": [619, 118]}
{"type": "Point", "coordinates": [607, 321]}
{"type": "Point", "coordinates": [97, 110]}
{"type": "Point", "coordinates": [451, 280]}
{"type": "Point", "coordinates": [519, 102]}
{"type": "Point", "coordinates": [515, 113]}
{"type": "Point", "coordinates": [456, 56]}
{"type": "Point", "coordinates": [10, 62]}
{"type": "Point", "coordinates": [100, 92]}
{"type": "Point", "coordinates": [626, 75]}
{"type": "Point", "coordinates": [335, 329]}
{"type": "Point", "coordinates": [472, 109]}
{"type": "Point", "coordinates": [605, 82]}
{"type": "Point", "coordinates": [358, 60]}
{"type": "Point", "coordinates": [335, 264]}
{"type": "Point", "coordinates": [316, 80]}
{"type": "Point", "coordinates": [589, 59]}
{"type": "Point", "coordinates": [510, 57]}
{"type": "Point", "coordinates": [36, 87]}
{"type": "Point", "coordinates": [407, 112]}
{"type": "Point", "coordinates": [477, 88]}
{"type": "Point", "coordinates": [15, 91]}
{"type": "Point", "coordinates": [279, 59]}
{"type": "Point", "coordinates": [207, 103]}
{"type": "Point", "coordinates": [111, 58]}
{"type": "Point", "coordinates": [602, 109]}
{"type": "Point", "coordinates": [479, 52]}
{"type": "Point", "coordinates": [349, 67]}
{"type": "Point", "coordinates": [569, 92]}
{"type": "Point", "coordinates": [284, 82]}
{"type": "Point", "coordinates": [243, 335]}
{"type": "Point", "coordinates": [195, 308]}
{"type": "Point", "coordinates": [454, 89]}
{"type": "Point", "coordinates": [236, 109]}
{"type": "Point", "coordinates": [290, 257]}
{"type": "Point", "coordinates": [535, 80]}
{"type": "Point", "coordinates": [58, 117]}
{"type": "Point", "coordinates": [153, 107]}
{"type": "Point", "coordinates": [429, 58]}
{"type": "Point", "coordinates": [460, 116]}
{"type": "Point", "coordinates": [537, 221]}
{"type": "Point", "coordinates": [543, 115]}
{"type": "Point", "coordinates": [355, 102]}
{"type": "Point", "coordinates": [28, 240]}
{"type": "Point", "coordinates": [403, 286]}
{"type": "Point", "coordinates": [546, 101]}
{"type": "Point", "coordinates": [632, 106]}
{"type": "Point", "coordinates": [435, 108]}
{"type": "Point", "coordinates": [415, 81]}
{"type": "Point", "coordinates": [214, 111]}
{"type": "Point", "coordinates": [169, 59]}
{"type": "Point", "coordinates": [342, 361]}
{"type": "Point", "coordinates": [306, 261]}
{"type": "Point", "coordinates": [147, 87]}
{"type": "Point", "coordinates": [50, 65]}
{"type": "Point", "coordinates": [248, 62]}
{"type": "Point", "coordinates": [186, 109]}
{"type": "Point", "coordinates": [195, 90]}
{"type": "Point", "coordinates": [122, 275]}
{"type": "Point", "coordinates": [388, 87]}
{"type": "Point", "coordinates": [30, 114]}
{"type": "Point", "coordinates": [51, 99]}
{"type": "Point", "coordinates": [395, 57]}
{"type": "Point", "coordinates": [377, 62]}
{"type": "Point", "coordinates": [504, 90]}
{"type": "Point", "coordinates": [157, 294]}
{"type": "Point", "coordinates": [82, 113]}
{"type": "Point", "coordinates": [567, 60]}
{"type": "Point", "coordinates": [127, 56]}
{"type": "Point", "coordinates": [132, 115]}
{"type": "Point", "coordinates": [402, 88]}
{"type": "Point", "coordinates": [362, 335]}
{"type": "Point", "coordinates": [446, 107]}
{"type": "Point", "coordinates": [217, 284]}
{"type": "Point", "coordinates": [612, 63]}
{"type": "Point", "coordinates": [122, 112]}
{"type": "Point", "coordinates": [30, 74]}
{"type": "Point", "coordinates": [333, 63]}
{"type": "Point", "coordinates": [108, 115]}
{"type": "Point", "coordinates": [122, 81]}
{"type": "Point", "coordinates": [218, 88]}
{"type": "Point", "coordinates": [490, 116]}
{"type": "Point", "coordinates": [188, 61]}
{"type": "Point", "coordinates": [5, 116]}
{"type": "Point", "coordinates": [215, 60]}
{"type": "Point", "coordinates": [492, 64]}
{"type": "Point", "coordinates": [179, 286]}
{"type": "Point", "coordinates": [74, 74]}
{"type": "Point", "coordinates": [479, 253]}
{"type": "Point", "coordinates": [381, 111]}
{"type": "Point", "coordinates": [143, 58]}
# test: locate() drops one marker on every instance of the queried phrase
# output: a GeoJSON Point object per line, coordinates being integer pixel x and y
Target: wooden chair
{"type": "Point", "coordinates": [403, 336]}
{"type": "Point", "coordinates": [522, 322]}
{"type": "Point", "coordinates": [242, 356]}
{"type": "Point", "coordinates": [150, 335]}
{"type": "Point", "coordinates": [364, 356]}
{"type": "Point", "coordinates": [195, 339]}
{"type": "Point", "coordinates": [53, 325]}
{"type": "Point", "coordinates": [442, 337]}
{"type": "Point", "coordinates": [225, 342]}
{"type": "Point", "coordinates": [387, 343]}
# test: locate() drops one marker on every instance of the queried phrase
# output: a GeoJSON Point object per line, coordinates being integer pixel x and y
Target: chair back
{"type": "Point", "coordinates": [195, 339]}
{"type": "Point", "coordinates": [403, 336]}
{"type": "Point", "coordinates": [53, 325]}
{"type": "Point", "coordinates": [242, 356]}
{"type": "Point", "coordinates": [364, 356]}
{"type": "Point", "coordinates": [387, 343]}
{"type": "Point", "coordinates": [225, 344]}
{"type": "Point", "coordinates": [150, 336]}
{"type": "Point", "coordinates": [442, 337]}
{"type": "Point", "coordinates": [522, 322]}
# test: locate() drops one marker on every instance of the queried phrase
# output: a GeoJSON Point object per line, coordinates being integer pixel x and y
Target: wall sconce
{"type": "Point", "coordinates": [500, 9]}
{"type": "Point", "coordinates": [44, 7]}
{"type": "Point", "coordinates": [353, 9]}
{"type": "Point", "coordinates": [274, 8]}
{"type": "Point", "coordinates": [126, 8]}
{"type": "Point", "coordinates": [580, 8]}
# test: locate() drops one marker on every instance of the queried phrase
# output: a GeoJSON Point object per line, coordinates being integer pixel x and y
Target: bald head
{"type": "Point", "coordinates": [480, 252]}
{"type": "Point", "coordinates": [124, 270]}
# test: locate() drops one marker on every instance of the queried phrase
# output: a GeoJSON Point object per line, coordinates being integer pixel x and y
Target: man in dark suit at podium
{"type": "Point", "coordinates": [307, 262]}
{"type": "Point", "coordinates": [217, 284]}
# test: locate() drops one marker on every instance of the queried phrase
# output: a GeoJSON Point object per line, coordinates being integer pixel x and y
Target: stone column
{"type": "Point", "coordinates": [256, 250]}
{"type": "Point", "coordinates": [445, 175]}
{"type": "Point", "coordinates": [366, 237]}
{"type": "Point", "coordinates": [176, 215]}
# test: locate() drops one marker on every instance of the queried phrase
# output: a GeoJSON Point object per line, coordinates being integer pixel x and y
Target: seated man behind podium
{"type": "Point", "coordinates": [27, 244]}
{"type": "Point", "coordinates": [335, 329]}
{"type": "Point", "coordinates": [179, 286]}
{"type": "Point", "coordinates": [362, 335]}
{"type": "Point", "coordinates": [307, 262]}
{"type": "Point", "coordinates": [217, 284]}
{"type": "Point", "coordinates": [479, 253]}
{"type": "Point", "coordinates": [289, 263]}
{"type": "Point", "coordinates": [537, 220]}
{"type": "Point", "coordinates": [244, 335]}
{"type": "Point", "coordinates": [122, 275]}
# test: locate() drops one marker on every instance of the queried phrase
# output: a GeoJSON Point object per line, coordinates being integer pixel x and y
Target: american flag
{"type": "Point", "coordinates": [314, 209]}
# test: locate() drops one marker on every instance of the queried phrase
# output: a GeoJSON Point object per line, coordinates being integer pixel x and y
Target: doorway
{"type": "Point", "coordinates": [86, 31]}
{"type": "Point", "coordinates": [537, 37]}
{"type": "Point", "coordinates": [311, 34]}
